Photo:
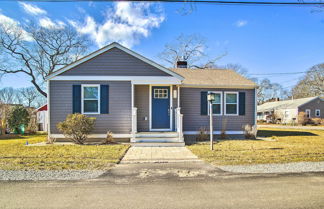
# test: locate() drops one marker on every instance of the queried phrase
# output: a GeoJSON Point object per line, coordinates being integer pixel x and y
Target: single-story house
{"type": "Point", "coordinates": [287, 111]}
{"type": "Point", "coordinates": [140, 100]}
{"type": "Point", "coordinates": [42, 122]}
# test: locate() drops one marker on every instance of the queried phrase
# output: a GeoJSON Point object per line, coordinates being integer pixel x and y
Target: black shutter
{"type": "Point", "coordinates": [76, 96]}
{"type": "Point", "coordinates": [104, 99]}
{"type": "Point", "coordinates": [242, 103]}
{"type": "Point", "coordinates": [203, 103]}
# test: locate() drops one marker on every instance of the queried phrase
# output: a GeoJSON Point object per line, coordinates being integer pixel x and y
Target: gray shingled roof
{"type": "Point", "coordinates": [221, 78]}
{"type": "Point", "coordinates": [285, 104]}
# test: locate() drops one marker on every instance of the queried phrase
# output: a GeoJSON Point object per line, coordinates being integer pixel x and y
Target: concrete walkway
{"type": "Point", "coordinates": [158, 155]}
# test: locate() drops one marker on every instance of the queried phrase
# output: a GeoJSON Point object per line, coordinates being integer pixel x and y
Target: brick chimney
{"type": "Point", "coordinates": [182, 64]}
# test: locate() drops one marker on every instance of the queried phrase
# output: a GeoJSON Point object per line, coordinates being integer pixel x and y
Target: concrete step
{"type": "Point", "coordinates": [155, 144]}
{"type": "Point", "coordinates": [157, 139]}
{"type": "Point", "coordinates": [156, 134]}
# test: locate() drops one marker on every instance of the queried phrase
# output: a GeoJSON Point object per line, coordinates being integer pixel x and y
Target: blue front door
{"type": "Point", "coordinates": [160, 107]}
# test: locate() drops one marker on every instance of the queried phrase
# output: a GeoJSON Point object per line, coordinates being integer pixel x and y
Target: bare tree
{"type": "Point", "coordinates": [37, 51]}
{"type": "Point", "coordinates": [237, 68]}
{"type": "Point", "coordinates": [312, 83]}
{"type": "Point", "coordinates": [8, 95]}
{"type": "Point", "coordinates": [28, 96]}
{"type": "Point", "coordinates": [268, 91]}
{"type": "Point", "coordinates": [190, 48]}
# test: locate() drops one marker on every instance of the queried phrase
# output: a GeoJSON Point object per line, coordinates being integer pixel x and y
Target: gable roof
{"type": "Point", "coordinates": [219, 78]}
{"type": "Point", "coordinates": [285, 104]}
{"type": "Point", "coordinates": [106, 48]}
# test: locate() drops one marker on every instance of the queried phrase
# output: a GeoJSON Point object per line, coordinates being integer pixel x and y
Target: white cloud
{"type": "Point", "coordinates": [13, 26]}
{"type": "Point", "coordinates": [50, 24]}
{"type": "Point", "coordinates": [125, 23]}
{"type": "Point", "coordinates": [241, 23]}
{"type": "Point", "coordinates": [32, 9]}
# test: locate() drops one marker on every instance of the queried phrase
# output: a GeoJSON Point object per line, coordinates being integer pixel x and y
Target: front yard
{"type": "Point", "coordinates": [14, 155]}
{"type": "Point", "coordinates": [288, 145]}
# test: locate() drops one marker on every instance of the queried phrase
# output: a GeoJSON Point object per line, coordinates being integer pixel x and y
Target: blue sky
{"type": "Point", "coordinates": [263, 39]}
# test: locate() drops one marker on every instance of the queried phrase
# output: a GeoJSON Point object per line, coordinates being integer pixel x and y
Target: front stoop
{"type": "Point", "coordinates": [157, 139]}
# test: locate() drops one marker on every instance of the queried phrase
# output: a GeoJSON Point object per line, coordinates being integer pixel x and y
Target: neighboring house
{"type": "Point", "coordinates": [140, 100]}
{"type": "Point", "coordinates": [287, 111]}
{"type": "Point", "coordinates": [42, 123]}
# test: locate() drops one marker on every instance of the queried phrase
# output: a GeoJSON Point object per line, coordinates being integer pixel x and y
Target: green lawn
{"type": "Point", "coordinates": [290, 145]}
{"type": "Point", "coordinates": [14, 155]}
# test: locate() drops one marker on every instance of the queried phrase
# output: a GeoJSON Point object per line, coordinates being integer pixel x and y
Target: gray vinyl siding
{"type": "Point", "coordinates": [114, 62]}
{"type": "Point", "coordinates": [142, 102]}
{"type": "Point", "coordinates": [313, 105]}
{"type": "Point", "coordinates": [193, 120]}
{"type": "Point", "coordinates": [119, 118]}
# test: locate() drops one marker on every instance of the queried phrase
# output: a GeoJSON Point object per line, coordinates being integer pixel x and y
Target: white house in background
{"type": "Point", "coordinates": [287, 111]}
{"type": "Point", "coordinates": [42, 121]}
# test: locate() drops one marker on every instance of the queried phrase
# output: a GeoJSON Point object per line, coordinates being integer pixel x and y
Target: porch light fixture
{"type": "Point", "coordinates": [211, 98]}
{"type": "Point", "coordinates": [175, 94]}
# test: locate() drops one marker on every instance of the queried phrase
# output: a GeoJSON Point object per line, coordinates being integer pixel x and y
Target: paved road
{"type": "Point", "coordinates": [170, 186]}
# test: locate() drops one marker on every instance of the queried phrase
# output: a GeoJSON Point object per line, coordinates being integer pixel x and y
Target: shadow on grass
{"type": "Point", "coordinates": [11, 136]}
{"type": "Point", "coordinates": [270, 133]}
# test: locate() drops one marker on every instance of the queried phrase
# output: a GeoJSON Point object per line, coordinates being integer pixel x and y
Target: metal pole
{"type": "Point", "coordinates": [211, 125]}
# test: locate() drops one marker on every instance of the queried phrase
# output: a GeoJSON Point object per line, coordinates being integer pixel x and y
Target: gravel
{"type": "Point", "coordinates": [276, 168]}
{"type": "Point", "coordinates": [33, 175]}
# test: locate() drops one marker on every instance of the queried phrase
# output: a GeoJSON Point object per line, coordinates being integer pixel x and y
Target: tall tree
{"type": "Point", "coordinates": [190, 48]}
{"type": "Point", "coordinates": [28, 96]}
{"type": "Point", "coordinates": [311, 84]}
{"type": "Point", "coordinates": [268, 91]}
{"type": "Point", "coordinates": [8, 96]}
{"type": "Point", "coordinates": [37, 52]}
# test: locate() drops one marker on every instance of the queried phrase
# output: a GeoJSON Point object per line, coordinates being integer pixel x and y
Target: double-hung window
{"type": "Point", "coordinates": [217, 103]}
{"type": "Point", "coordinates": [231, 103]}
{"type": "Point", "coordinates": [308, 113]}
{"type": "Point", "coordinates": [90, 99]}
{"type": "Point", "coordinates": [318, 113]}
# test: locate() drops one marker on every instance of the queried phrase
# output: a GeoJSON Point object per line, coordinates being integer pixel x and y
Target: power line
{"type": "Point", "coordinates": [257, 74]}
{"type": "Point", "coordinates": [197, 1]}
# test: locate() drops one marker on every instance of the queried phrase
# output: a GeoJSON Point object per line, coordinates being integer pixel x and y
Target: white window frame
{"type": "Point", "coordinates": [82, 98]}
{"type": "Point", "coordinates": [221, 102]}
{"type": "Point", "coordinates": [308, 110]}
{"type": "Point", "coordinates": [319, 113]}
{"type": "Point", "coordinates": [237, 102]}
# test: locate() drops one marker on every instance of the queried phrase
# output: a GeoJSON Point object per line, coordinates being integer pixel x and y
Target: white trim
{"type": "Point", "coordinates": [237, 103]}
{"type": "Point", "coordinates": [134, 79]}
{"type": "Point", "coordinates": [221, 103]}
{"type": "Point", "coordinates": [319, 111]}
{"type": "Point", "coordinates": [214, 132]}
{"type": "Point", "coordinates": [95, 136]}
{"type": "Point", "coordinates": [48, 109]}
{"type": "Point", "coordinates": [106, 48]}
{"type": "Point", "coordinates": [150, 105]}
{"type": "Point", "coordinates": [255, 106]}
{"type": "Point", "coordinates": [308, 110]}
{"type": "Point", "coordinates": [82, 99]}
{"type": "Point", "coordinates": [219, 86]}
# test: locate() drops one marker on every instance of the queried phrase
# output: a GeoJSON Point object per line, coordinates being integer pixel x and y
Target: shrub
{"type": "Point", "coordinates": [302, 119]}
{"type": "Point", "coordinates": [109, 138]}
{"type": "Point", "coordinates": [18, 117]}
{"type": "Point", "coordinates": [250, 132]}
{"type": "Point", "coordinates": [202, 136]}
{"type": "Point", "coordinates": [76, 127]}
{"type": "Point", "coordinates": [316, 121]}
